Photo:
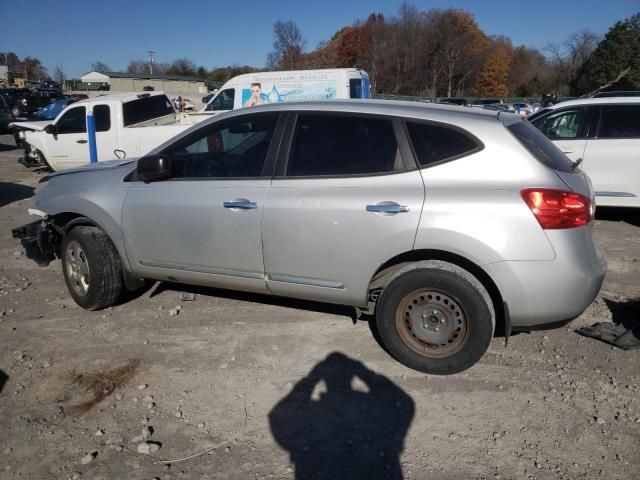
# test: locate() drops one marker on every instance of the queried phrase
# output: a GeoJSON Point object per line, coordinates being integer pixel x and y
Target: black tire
{"type": "Point", "coordinates": [96, 280]}
{"type": "Point", "coordinates": [16, 112]}
{"type": "Point", "coordinates": [435, 318]}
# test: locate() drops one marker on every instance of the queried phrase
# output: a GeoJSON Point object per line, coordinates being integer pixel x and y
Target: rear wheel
{"type": "Point", "coordinates": [16, 112]}
{"type": "Point", "coordinates": [436, 318]}
{"type": "Point", "coordinates": [91, 267]}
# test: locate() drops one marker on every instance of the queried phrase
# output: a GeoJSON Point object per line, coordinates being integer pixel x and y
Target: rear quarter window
{"type": "Point", "coordinates": [435, 143]}
{"type": "Point", "coordinates": [540, 146]}
{"type": "Point", "coordinates": [146, 108]}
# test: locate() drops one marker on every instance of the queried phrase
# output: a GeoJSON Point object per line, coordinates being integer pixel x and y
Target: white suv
{"type": "Point", "coordinates": [605, 134]}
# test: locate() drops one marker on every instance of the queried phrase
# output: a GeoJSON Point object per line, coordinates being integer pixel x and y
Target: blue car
{"type": "Point", "coordinates": [52, 110]}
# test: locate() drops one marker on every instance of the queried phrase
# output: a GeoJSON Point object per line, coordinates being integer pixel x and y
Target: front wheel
{"type": "Point", "coordinates": [16, 112]}
{"type": "Point", "coordinates": [436, 318]}
{"type": "Point", "coordinates": [91, 267]}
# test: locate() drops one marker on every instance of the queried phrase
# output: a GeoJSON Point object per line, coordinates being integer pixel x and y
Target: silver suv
{"type": "Point", "coordinates": [445, 223]}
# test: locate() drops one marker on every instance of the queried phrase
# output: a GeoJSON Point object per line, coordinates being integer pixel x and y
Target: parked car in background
{"type": "Point", "coordinates": [127, 124]}
{"type": "Point", "coordinates": [453, 101]}
{"type": "Point", "coordinates": [524, 109]}
{"type": "Point", "coordinates": [52, 110]}
{"type": "Point", "coordinates": [501, 107]}
{"type": "Point", "coordinates": [24, 102]}
{"type": "Point", "coordinates": [77, 96]}
{"type": "Point", "coordinates": [441, 221]}
{"type": "Point", "coordinates": [148, 88]}
{"type": "Point", "coordinates": [5, 115]}
{"type": "Point", "coordinates": [604, 135]}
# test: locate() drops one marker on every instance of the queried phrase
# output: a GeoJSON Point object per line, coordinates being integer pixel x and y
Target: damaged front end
{"type": "Point", "coordinates": [40, 239]}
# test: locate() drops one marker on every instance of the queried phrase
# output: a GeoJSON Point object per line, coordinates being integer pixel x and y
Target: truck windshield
{"type": "Point", "coordinates": [146, 108]}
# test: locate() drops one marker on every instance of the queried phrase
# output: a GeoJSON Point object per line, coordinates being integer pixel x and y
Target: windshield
{"type": "Point", "coordinates": [146, 108]}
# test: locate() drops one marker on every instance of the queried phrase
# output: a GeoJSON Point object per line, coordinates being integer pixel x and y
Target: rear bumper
{"type": "Point", "coordinates": [546, 294]}
{"type": "Point", "coordinates": [39, 240]}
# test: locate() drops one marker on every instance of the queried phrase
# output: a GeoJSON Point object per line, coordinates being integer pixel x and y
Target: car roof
{"type": "Point", "coordinates": [444, 112]}
{"type": "Point", "coordinates": [595, 101]}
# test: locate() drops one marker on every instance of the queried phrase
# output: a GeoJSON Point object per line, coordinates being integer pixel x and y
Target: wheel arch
{"type": "Point", "coordinates": [386, 272]}
{"type": "Point", "coordinates": [66, 221]}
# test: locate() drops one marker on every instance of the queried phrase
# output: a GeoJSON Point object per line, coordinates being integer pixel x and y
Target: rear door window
{"type": "Point", "coordinates": [620, 121]}
{"type": "Point", "coordinates": [146, 108]}
{"type": "Point", "coordinates": [339, 145]}
{"type": "Point", "coordinates": [434, 143]}
{"type": "Point", "coordinates": [540, 146]}
{"type": "Point", "coordinates": [102, 115]}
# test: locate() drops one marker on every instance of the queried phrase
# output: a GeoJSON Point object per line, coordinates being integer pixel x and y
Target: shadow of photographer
{"type": "Point", "coordinates": [3, 379]}
{"type": "Point", "coordinates": [343, 421]}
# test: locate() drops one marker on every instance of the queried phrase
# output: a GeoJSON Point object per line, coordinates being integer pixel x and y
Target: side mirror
{"type": "Point", "coordinates": [154, 167]}
{"type": "Point", "coordinates": [50, 129]}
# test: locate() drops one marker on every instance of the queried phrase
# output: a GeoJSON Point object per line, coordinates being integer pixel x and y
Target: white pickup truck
{"type": "Point", "coordinates": [127, 125]}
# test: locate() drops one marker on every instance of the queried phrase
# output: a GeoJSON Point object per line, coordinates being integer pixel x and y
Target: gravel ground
{"type": "Point", "coordinates": [274, 388]}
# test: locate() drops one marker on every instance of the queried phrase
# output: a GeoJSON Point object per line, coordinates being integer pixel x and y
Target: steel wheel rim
{"type": "Point", "coordinates": [432, 323]}
{"type": "Point", "coordinates": [77, 267]}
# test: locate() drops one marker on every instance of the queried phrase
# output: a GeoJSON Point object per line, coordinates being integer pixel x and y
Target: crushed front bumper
{"type": "Point", "coordinates": [40, 241]}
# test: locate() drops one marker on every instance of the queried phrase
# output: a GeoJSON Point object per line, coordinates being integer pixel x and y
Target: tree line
{"type": "Point", "coordinates": [434, 53]}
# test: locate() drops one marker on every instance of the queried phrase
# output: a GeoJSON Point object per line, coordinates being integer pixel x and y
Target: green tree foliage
{"type": "Point", "coordinates": [617, 55]}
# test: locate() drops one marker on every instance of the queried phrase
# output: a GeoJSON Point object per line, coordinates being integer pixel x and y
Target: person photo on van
{"type": "Point", "coordinates": [255, 99]}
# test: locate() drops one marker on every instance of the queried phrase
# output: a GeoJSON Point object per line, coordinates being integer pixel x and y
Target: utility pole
{"type": "Point", "coordinates": [150, 52]}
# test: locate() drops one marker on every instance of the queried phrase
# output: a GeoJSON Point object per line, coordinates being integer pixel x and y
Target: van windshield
{"type": "Point", "coordinates": [146, 108]}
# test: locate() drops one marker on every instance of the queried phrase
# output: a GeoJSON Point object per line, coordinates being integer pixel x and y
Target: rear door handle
{"type": "Point", "coordinates": [387, 208]}
{"type": "Point", "coordinates": [81, 141]}
{"type": "Point", "coordinates": [241, 204]}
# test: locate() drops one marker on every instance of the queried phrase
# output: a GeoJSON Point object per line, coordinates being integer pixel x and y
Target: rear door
{"type": "Point", "coordinates": [106, 137]}
{"type": "Point", "coordinates": [612, 157]}
{"type": "Point", "coordinates": [567, 128]}
{"type": "Point", "coordinates": [345, 199]}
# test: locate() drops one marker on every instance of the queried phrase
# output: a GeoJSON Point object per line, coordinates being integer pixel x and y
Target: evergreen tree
{"type": "Point", "coordinates": [617, 53]}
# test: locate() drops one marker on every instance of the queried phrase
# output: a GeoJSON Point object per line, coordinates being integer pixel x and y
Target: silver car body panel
{"type": "Point", "coordinates": [315, 238]}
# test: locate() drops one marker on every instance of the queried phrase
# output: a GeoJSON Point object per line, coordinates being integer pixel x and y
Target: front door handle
{"type": "Point", "coordinates": [387, 208]}
{"type": "Point", "coordinates": [241, 204]}
{"type": "Point", "coordinates": [81, 141]}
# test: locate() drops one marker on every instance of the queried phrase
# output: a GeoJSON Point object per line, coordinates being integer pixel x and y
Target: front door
{"type": "Point", "coordinates": [345, 201]}
{"type": "Point", "coordinates": [612, 158]}
{"type": "Point", "coordinates": [69, 147]}
{"type": "Point", "coordinates": [568, 128]}
{"type": "Point", "coordinates": [203, 225]}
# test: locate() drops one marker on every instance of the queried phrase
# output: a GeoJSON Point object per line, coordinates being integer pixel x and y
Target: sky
{"type": "Point", "coordinates": [75, 34]}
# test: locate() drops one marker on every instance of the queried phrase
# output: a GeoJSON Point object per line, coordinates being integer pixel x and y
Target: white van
{"type": "Point", "coordinates": [289, 86]}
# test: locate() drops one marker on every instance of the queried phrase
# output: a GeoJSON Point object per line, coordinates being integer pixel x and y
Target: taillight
{"type": "Point", "coordinates": [558, 208]}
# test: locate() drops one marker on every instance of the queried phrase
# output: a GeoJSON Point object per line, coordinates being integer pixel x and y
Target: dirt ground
{"type": "Point", "coordinates": [272, 388]}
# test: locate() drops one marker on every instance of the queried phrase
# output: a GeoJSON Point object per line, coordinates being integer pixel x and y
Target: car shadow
{"type": "Point", "coordinates": [343, 421]}
{"type": "Point", "coordinates": [3, 380]}
{"type": "Point", "coordinates": [626, 312]}
{"type": "Point", "coordinates": [7, 148]}
{"type": "Point", "coordinates": [264, 299]}
{"type": "Point", "coordinates": [12, 192]}
{"type": "Point", "coordinates": [615, 214]}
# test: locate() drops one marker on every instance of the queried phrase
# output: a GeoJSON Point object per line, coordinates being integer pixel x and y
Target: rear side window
{"type": "Point", "coordinates": [540, 146]}
{"type": "Point", "coordinates": [434, 143]}
{"type": "Point", "coordinates": [338, 145]}
{"type": "Point", "coordinates": [102, 114]}
{"type": "Point", "coordinates": [146, 108]}
{"type": "Point", "coordinates": [620, 121]}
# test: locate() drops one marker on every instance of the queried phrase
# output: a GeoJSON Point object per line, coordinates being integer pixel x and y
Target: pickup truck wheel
{"type": "Point", "coordinates": [16, 112]}
{"type": "Point", "coordinates": [91, 268]}
{"type": "Point", "coordinates": [437, 320]}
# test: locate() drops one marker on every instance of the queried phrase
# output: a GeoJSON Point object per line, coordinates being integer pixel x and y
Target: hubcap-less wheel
{"type": "Point", "coordinates": [77, 268]}
{"type": "Point", "coordinates": [432, 323]}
